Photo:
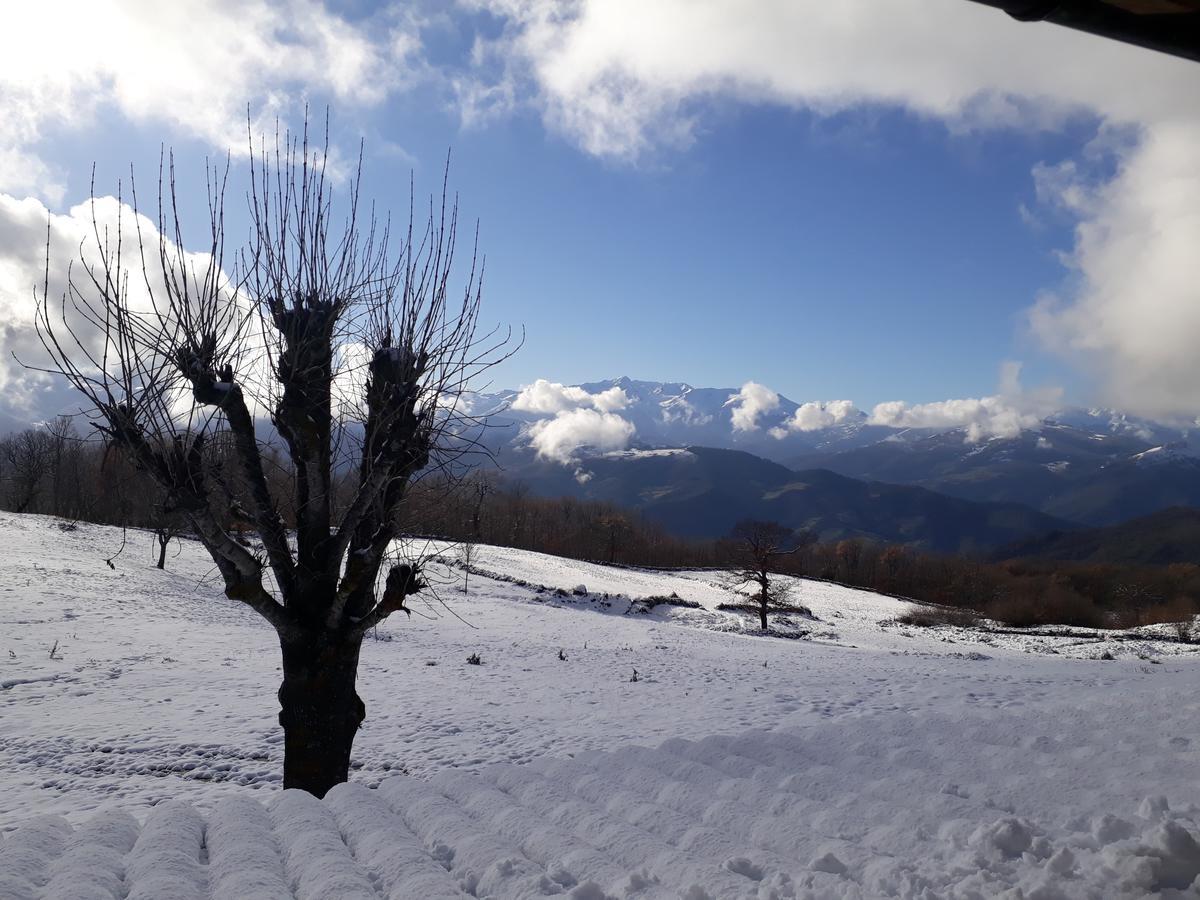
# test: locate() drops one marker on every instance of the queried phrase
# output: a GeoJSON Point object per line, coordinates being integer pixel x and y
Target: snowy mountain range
{"type": "Point", "coordinates": [755, 419]}
{"type": "Point", "coordinates": [1072, 465]}
{"type": "Point", "coordinates": [677, 414]}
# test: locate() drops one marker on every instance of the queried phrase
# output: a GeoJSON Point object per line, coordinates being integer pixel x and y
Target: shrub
{"type": "Point", "coordinates": [672, 599]}
{"type": "Point", "coordinates": [1055, 604]}
{"type": "Point", "coordinates": [752, 609]}
{"type": "Point", "coordinates": [1180, 611]}
{"type": "Point", "coordinates": [934, 616]}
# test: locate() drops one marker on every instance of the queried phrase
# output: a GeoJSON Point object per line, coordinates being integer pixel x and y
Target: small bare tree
{"type": "Point", "coordinates": [466, 557]}
{"type": "Point", "coordinates": [358, 351]}
{"type": "Point", "coordinates": [479, 488]}
{"type": "Point", "coordinates": [758, 549]}
{"type": "Point", "coordinates": [167, 525]}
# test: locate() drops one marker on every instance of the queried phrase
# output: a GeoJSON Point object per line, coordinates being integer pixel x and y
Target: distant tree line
{"type": "Point", "coordinates": [1022, 593]}
{"type": "Point", "coordinates": [52, 469]}
{"type": "Point", "coordinates": [56, 469]}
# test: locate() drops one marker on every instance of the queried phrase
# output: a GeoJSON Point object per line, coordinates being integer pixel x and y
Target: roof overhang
{"type": "Point", "coordinates": [1171, 26]}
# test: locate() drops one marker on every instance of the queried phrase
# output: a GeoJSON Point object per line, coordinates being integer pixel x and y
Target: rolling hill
{"type": "Point", "coordinates": [704, 491]}
{"type": "Point", "coordinates": [1161, 538]}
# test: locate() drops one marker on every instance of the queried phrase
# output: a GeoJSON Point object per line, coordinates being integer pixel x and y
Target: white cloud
{"type": "Point", "coordinates": [624, 78]}
{"type": "Point", "coordinates": [564, 435]}
{"type": "Point", "coordinates": [1004, 415]}
{"type": "Point", "coordinates": [193, 66]}
{"type": "Point", "coordinates": [621, 76]}
{"type": "Point", "coordinates": [815, 416]}
{"type": "Point", "coordinates": [27, 395]}
{"type": "Point", "coordinates": [679, 410]}
{"type": "Point", "coordinates": [1132, 311]}
{"type": "Point", "coordinates": [549, 397]}
{"type": "Point", "coordinates": [576, 419]}
{"type": "Point", "coordinates": [983, 418]}
{"type": "Point", "coordinates": [748, 404]}
{"type": "Point", "coordinates": [611, 400]}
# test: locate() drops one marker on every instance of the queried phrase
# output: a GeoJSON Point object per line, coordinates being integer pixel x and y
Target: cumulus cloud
{"type": "Point", "coordinates": [549, 397]}
{"type": "Point", "coordinates": [27, 395]}
{"type": "Point", "coordinates": [1004, 415]}
{"type": "Point", "coordinates": [560, 438]}
{"type": "Point", "coordinates": [619, 91]}
{"type": "Point", "coordinates": [193, 66]}
{"type": "Point", "coordinates": [679, 410]}
{"type": "Point", "coordinates": [1131, 308]}
{"type": "Point", "coordinates": [983, 417]}
{"type": "Point", "coordinates": [751, 402]}
{"type": "Point", "coordinates": [575, 419]}
{"type": "Point", "coordinates": [815, 416]}
{"type": "Point", "coordinates": [1132, 311]}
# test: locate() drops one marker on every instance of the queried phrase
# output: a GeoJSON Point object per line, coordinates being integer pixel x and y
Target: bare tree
{"type": "Point", "coordinates": [168, 524]}
{"type": "Point", "coordinates": [849, 555]}
{"type": "Point", "coordinates": [758, 550]}
{"type": "Point", "coordinates": [26, 459]}
{"type": "Point", "coordinates": [466, 556]}
{"type": "Point", "coordinates": [359, 351]}
{"type": "Point", "coordinates": [614, 531]}
{"type": "Point", "coordinates": [480, 487]}
{"type": "Point", "coordinates": [64, 465]}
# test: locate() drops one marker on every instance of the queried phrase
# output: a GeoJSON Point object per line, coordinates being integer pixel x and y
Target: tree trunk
{"type": "Point", "coordinates": [162, 551]}
{"type": "Point", "coordinates": [320, 711]}
{"type": "Point", "coordinates": [762, 613]}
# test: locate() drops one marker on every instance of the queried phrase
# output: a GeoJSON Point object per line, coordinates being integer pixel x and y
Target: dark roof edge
{"type": "Point", "coordinates": [1173, 32]}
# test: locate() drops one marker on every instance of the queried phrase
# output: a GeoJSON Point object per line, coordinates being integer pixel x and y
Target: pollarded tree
{"type": "Point", "coordinates": [355, 346]}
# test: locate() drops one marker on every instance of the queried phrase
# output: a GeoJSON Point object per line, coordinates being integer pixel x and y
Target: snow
{"type": "Point", "coordinates": [867, 759]}
{"type": "Point", "coordinates": [660, 452]}
{"type": "Point", "coordinates": [757, 815]}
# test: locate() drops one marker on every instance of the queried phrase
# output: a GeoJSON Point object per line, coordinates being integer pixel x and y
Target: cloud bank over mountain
{"type": "Point", "coordinates": [568, 423]}
{"type": "Point", "coordinates": [561, 437]}
{"type": "Point", "coordinates": [749, 404]}
{"type": "Point", "coordinates": [1005, 414]}
{"type": "Point", "coordinates": [814, 416]}
{"type": "Point", "coordinates": [574, 419]}
{"type": "Point", "coordinates": [550, 397]}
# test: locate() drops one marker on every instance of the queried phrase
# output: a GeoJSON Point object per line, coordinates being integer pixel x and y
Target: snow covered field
{"type": "Point", "coordinates": [141, 758]}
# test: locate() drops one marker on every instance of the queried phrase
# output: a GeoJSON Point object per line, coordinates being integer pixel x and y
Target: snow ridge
{"type": "Point", "coordinates": [757, 815]}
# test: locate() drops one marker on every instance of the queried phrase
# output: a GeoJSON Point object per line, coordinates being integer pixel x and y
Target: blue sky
{"type": "Point", "coordinates": [829, 233]}
{"type": "Point", "coordinates": [869, 255]}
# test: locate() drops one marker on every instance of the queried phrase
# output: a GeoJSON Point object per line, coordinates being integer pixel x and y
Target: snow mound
{"type": "Point", "coordinates": [757, 815]}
